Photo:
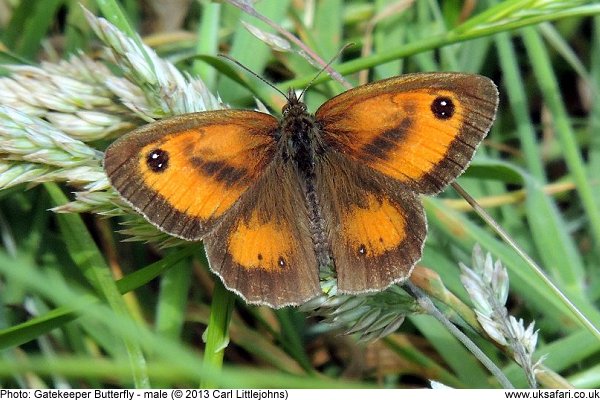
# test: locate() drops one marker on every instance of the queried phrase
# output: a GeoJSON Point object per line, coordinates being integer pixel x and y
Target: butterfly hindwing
{"type": "Point", "coordinates": [376, 227]}
{"type": "Point", "coordinates": [183, 174]}
{"type": "Point", "coordinates": [419, 129]}
{"type": "Point", "coordinates": [263, 249]}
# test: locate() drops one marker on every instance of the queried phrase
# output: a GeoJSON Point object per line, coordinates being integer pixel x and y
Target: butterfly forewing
{"type": "Point", "coordinates": [184, 173]}
{"type": "Point", "coordinates": [419, 129]}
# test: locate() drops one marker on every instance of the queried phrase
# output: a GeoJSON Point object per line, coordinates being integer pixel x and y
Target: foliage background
{"type": "Point", "coordinates": [537, 173]}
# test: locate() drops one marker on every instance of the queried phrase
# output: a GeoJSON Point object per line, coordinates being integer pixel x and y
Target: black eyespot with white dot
{"type": "Point", "coordinates": [362, 250]}
{"type": "Point", "coordinates": [157, 160]}
{"type": "Point", "coordinates": [281, 262]}
{"type": "Point", "coordinates": [442, 107]}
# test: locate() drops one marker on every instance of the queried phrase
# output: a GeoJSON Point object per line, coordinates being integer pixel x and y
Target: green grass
{"type": "Point", "coordinates": [79, 305]}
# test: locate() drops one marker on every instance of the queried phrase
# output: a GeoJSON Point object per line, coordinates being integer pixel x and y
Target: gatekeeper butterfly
{"type": "Point", "coordinates": [278, 201]}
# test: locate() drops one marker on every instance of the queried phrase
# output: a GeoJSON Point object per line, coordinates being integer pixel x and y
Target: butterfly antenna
{"type": "Point", "coordinates": [239, 64]}
{"type": "Point", "coordinates": [325, 68]}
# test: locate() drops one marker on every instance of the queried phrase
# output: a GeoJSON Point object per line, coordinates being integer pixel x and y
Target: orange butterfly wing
{"type": "Point", "coordinates": [184, 173]}
{"type": "Point", "coordinates": [419, 129]}
{"type": "Point", "coordinates": [388, 140]}
{"type": "Point", "coordinates": [376, 228]}
{"type": "Point", "coordinates": [263, 249]}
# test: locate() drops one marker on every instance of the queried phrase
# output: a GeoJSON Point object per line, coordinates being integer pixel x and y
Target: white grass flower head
{"type": "Point", "coordinates": [151, 87]}
{"type": "Point", "coordinates": [88, 125]}
{"type": "Point", "coordinates": [70, 94]}
{"type": "Point", "coordinates": [35, 151]}
{"type": "Point", "coordinates": [487, 284]}
{"type": "Point", "coordinates": [50, 111]}
{"type": "Point", "coordinates": [370, 317]}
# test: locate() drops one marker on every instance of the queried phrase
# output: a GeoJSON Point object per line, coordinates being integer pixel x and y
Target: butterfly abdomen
{"type": "Point", "coordinates": [302, 146]}
{"type": "Point", "coordinates": [317, 226]}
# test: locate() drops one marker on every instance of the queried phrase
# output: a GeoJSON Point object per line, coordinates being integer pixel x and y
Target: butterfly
{"type": "Point", "coordinates": [277, 201]}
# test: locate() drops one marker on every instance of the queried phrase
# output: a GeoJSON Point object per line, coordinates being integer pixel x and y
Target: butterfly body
{"type": "Point", "coordinates": [303, 146]}
{"type": "Point", "coordinates": [277, 201]}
